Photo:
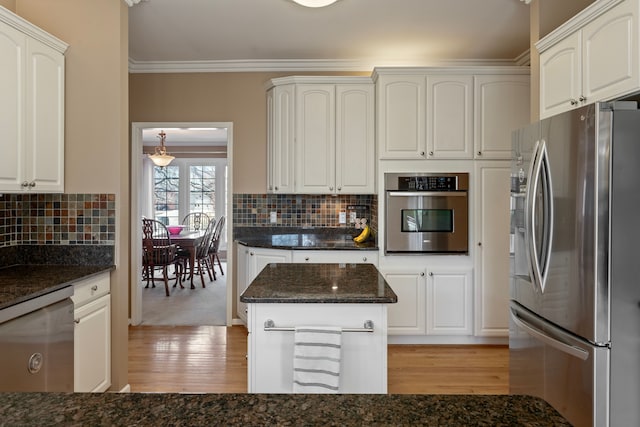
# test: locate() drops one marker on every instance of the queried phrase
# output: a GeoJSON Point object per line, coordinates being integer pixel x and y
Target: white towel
{"type": "Point", "coordinates": [316, 359]}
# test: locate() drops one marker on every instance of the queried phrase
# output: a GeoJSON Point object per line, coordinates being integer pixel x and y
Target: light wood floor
{"type": "Point", "coordinates": [211, 359]}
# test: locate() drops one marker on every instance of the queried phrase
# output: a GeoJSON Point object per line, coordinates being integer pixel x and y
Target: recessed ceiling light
{"type": "Point", "coordinates": [315, 3]}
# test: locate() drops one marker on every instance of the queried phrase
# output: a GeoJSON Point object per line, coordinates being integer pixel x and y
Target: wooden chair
{"type": "Point", "coordinates": [201, 256]}
{"type": "Point", "coordinates": [158, 253]}
{"type": "Point", "coordinates": [196, 221]}
{"type": "Point", "coordinates": [215, 244]}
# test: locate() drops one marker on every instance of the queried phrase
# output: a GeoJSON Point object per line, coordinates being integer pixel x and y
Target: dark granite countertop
{"type": "Point", "coordinates": [302, 239]}
{"type": "Point", "coordinates": [20, 283]}
{"type": "Point", "coordinates": [319, 283]}
{"type": "Point", "coordinates": [136, 409]}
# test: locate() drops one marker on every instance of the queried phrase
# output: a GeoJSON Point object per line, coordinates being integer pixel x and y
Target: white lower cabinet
{"type": "Point", "coordinates": [251, 261]}
{"type": "Point", "coordinates": [431, 301]}
{"type": "Point", "coordinates": [337, 257]}
{"type": "Point", "coordinates": [363, 367]}
{"type": "Point", "coordinates": [92, 334]}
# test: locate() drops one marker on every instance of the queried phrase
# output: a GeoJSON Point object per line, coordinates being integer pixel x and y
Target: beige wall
{"type": "Point", "coordinates": [9, 4]}
{"type": "Point", "coordinates": [96, 126]}
{"type": "Point", "coordinates": [214, 97]}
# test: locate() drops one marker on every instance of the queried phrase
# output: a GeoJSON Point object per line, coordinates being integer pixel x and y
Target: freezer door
{"type": "Point", "coordinates": [570, 374]}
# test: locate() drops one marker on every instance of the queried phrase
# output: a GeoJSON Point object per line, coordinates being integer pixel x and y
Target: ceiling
{"type": "Point", "coordinates": [350, 35]}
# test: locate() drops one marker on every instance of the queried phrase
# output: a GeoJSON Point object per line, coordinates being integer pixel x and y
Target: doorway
{"type": "Point", "coordinates": [193, 132]}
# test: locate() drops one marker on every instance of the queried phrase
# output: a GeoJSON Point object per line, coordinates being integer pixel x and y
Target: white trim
{"type": "Point", "coordinates": [136, 232]}
{"type": "Point", "coordinates": [31, 30]}
{"type": "Point", "coordinates": [125, 389]}
{"type": "Point", "coordinates": [292, 65]}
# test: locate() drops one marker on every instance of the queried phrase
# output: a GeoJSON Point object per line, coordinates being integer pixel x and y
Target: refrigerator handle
{"type": "Point", "coordinates": [539, 261]}
{"type": "Point", "coordinates": [552, 341]}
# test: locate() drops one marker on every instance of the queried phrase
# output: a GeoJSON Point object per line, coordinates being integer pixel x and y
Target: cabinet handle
{"type": "Point", "coordinates": [251, 253]}
{"type": "Point", "coordinates": [573, 102]}
{"type": "Point", "coordinates": [94, 288]}
{"type": "Point", "coordinates": [479, 153]}
{"type": "Point", "coordinates": [276, 188]}
{"type": "Point", "coordinates": [32, 184]}
{"type": "Point", "coordinates": [582, 98]}
{"type": "Point", "coordinates": [25, 184]}
{"type": "Point", "coordinates": [364, 259]}
{"type": "Point", "coordinates": [422, 154]}
{"type": "Point", "coordinates": [431, 153]}
{"type": "Point", "coordinates": [76, 321]}
{"type": "Point", "coordinates": [306, 258]}
{"type": "Point", "coordinates": [331, 188]}
{"type": "Point", "coordinates": [339, 188]}
{"type": "Point", "coordinates": [422, 273]}
{"type": "Point", "coordinates": [479, 243]}
{"type": "Point", "coordinates": [431, 273]}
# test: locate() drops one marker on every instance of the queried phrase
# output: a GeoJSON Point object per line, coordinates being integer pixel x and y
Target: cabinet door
{"type": "Point", "coordinates": [280, 119]}
{"type": "Point", "coordinates": [610, 53]}
{"type": "Point", "coordinates": [492, 261]}
{"type": "Point", "coordinates": [407, 316]}
{"type": "Point", "coordinates": [401, 117]}
{"type": "Point", "coordinates": [12, 108]}
{"type": "Point", "coordinates": [335, 257]}
{"type": "Point", "coordinates": [449, 302]}
{"type": "Point", "coordinates": [242, 260]}
{"type": "Point", "coordinates": [561, 76]}
{"type": "Point", "coordinates": [501, 106]}
{"type": "Point", "coordinates": [355, 144]}
{"type": "Point", "coordinates": [92, 346]}
{"type": "Point", "coordinates": [315, 139]}
{"type": "Point", "coordinates": [449, 117]}
{"type": "Point", "coordinates": [45, 113]}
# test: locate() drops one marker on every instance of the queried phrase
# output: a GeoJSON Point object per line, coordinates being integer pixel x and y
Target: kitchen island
{"type": "Point", "coordinates": [353, 297]}
{"type": "Point", "coordinates": [137, 409]}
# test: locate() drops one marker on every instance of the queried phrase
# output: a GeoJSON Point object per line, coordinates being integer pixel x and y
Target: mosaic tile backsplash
{"type": "Point", "coordinates": [295, 210]}
{"type": "Point", "coordinates": [57, 219]}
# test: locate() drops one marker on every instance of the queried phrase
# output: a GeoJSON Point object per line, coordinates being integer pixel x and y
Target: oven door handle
{"type": "Point", "coordinates": [427, 193]}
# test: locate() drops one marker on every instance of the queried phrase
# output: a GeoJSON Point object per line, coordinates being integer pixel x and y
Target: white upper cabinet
{"type": "Point", "coordinates": [449, 117]}
{"type": "Point", "coordinates": [280, 116]}
{"type": "Point", "coordinates": [450, 113]}
{"type": "Point", "coordinates": [321, 135]}
{"type": "Point", "coordinates": [401, 117]}
{"type": "Point", "coordinates": [592, 57]}
{"type": "Point", "coordinates": [31, 107]}
{"type": "Point", "coordinates": [501, 106]}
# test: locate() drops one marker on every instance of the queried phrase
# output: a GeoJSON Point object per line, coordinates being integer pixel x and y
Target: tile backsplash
{"type": "Point", "coordinates": [301, 210]}
{"type": "Point", "coordinates": [57, 219]}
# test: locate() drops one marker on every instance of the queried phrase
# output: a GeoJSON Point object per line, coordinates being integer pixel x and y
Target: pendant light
{"type": "Point", "coordinates": [315, 3]}
{"type": "Point", "coordinates": [160, 157]}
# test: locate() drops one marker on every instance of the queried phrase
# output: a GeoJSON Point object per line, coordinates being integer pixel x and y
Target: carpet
{"type": "Point", "coordinates": [187, 307]}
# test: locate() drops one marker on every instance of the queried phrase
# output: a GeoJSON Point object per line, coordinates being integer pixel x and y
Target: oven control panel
{"type": "Point", "coordinates": [428, 183]}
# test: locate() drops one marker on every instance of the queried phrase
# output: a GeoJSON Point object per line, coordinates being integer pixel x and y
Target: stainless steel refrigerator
{"type": "Point", "coordinates": [574, 336]}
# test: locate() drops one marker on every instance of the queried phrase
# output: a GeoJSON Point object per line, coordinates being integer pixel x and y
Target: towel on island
{"type": "Point", "coordinates": [316, 359]}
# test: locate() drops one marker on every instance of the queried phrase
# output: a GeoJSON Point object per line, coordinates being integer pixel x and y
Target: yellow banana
{"type": "Point", "coordinates": [363, 236]}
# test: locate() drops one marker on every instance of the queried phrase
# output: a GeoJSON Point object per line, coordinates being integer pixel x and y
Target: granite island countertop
{"type": "Point", "coordinates": [302, 239]}
{"type": "Point", "coordinates": [319, 283]}
{"type": "Point", "coordinates": [137, 409]}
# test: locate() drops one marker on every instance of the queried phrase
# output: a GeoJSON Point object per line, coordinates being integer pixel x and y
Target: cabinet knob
{"type": "Point", "coordinates": [431, 273]}
{"type": "Point", "coordinates": [331, 188]}
{"type": "Point", "coordinates": [276, 188]}
{"type": "Point", "coordinates": [76, 320]}
{"type": "Point", "coordinates": [251, 253]}
{"type": "Point", "coordinates": [422, 274]}
{"type": "Point", "coordinates": [306, 258]}
{"type": "Point", "coordinates": [25, 184]}
{"type": "Point", "coordinates": [479, 153]}
{"type": "Point", "coordinates": [431, 153]}
{"type": "Point", "coordinates": [582, 98]}
{"type": "Point", "coordinates": [364, 258]}
{"type": "Point", "coordinates": [94, 288]}
{"type": "Point", "coordinates": [339, 188]}
{"type": "Point", "coordinates": [32, 184]}
{"type": "Point", "coordinates": [422, 154]}
{"type": "Point", "coordinates": [479, 243]}
{"type": "Point", "coordinates": [573, 102]}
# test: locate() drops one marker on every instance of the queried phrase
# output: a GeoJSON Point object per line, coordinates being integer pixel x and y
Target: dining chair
{"type": "Point", "coordinates": [201, 262]}
{"type": "Point", "coordinates": [196, 221]}
{"type": "Point", "coordinates": [215, 244]}
{"type": "Point", "coordinates": [158, 253]}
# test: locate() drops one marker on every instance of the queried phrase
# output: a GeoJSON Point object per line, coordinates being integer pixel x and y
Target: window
{"type": "Point", "coordinates": [189, 185]}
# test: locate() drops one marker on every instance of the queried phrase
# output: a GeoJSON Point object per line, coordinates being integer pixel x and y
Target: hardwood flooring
{"type": "Point", "coordinates": [211, 359]}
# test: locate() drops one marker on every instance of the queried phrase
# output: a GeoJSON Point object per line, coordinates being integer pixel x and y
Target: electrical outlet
{"type": "Point", "coordinates": [342, 218]}
{"type": "Point", "coordinates": [273, 217]}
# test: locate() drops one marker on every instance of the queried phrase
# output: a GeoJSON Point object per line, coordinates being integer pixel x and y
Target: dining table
{"type": "Point", "coordinates": [189, 241]}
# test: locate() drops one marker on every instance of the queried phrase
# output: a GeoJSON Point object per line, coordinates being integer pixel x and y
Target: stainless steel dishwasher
{"type": "Point", "coordinates": [36, 344]}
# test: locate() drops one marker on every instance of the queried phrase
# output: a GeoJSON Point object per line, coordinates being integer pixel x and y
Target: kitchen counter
{"type": "Point", "coordinates": [300, 238]}
{"type": "Point", "coordinates": [319, 283]}
{"type": "Point", "coordinates": [135, 409]}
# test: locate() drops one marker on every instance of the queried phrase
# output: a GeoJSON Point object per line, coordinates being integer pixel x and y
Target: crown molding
{"type": "Point", "coordinates": [309, 65]}
{"type": "Point", "coordinates": [31, 30]}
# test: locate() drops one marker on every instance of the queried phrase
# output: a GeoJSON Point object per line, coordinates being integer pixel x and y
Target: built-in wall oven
{"type": "Point", "coordinates": [426, 213]}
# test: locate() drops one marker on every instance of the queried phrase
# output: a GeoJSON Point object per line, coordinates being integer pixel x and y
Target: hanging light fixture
{"type": "Point", "coordinates": [315, 3]}
{"type": "Point", "coordinates": [160, 157]}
